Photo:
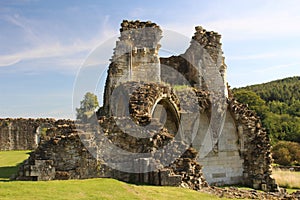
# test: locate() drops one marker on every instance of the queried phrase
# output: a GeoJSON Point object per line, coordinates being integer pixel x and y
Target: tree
{"type": "Point", "coordinates": [252, 100]}
{"type": "Point", "coordinates": [286, 153]}
{"type": "Point", "coordinates": [88, 106]}
{"type": "Point", "coordinates": [280, 109]}
{"type": "Point", "coordinates": [282, 157]}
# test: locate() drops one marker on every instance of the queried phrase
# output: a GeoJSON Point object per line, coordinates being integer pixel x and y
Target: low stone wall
{"type": "Point", "coordinates": [24, 134]}
{"type": "Point", "coordinates": [60, 157]}
{"type": "Point", "coordinates": [66, 152]}
{"type": "Point", "coordinates": [288, 168]}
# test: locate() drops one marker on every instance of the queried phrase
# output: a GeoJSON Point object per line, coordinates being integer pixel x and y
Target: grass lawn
{"type": "Point", "coordinates": [287, 179]}
{"type": "Point", "coordinates": [81, 189]}
{"type": "Point", "coordinates": [9, 161]}
{"type": "Point", "coordinates": [93, 189]}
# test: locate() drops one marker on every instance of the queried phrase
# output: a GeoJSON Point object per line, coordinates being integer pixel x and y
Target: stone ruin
{"type": "Point", "coordinates": [25, 134]}
{"type": "Point", "coordinates": [158, 127]}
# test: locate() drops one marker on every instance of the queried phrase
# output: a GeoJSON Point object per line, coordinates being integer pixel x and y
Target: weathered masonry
{"type": "Point", "coordinates": [147, 107]}
{"type": "Point", "coordinates": [24, 134]}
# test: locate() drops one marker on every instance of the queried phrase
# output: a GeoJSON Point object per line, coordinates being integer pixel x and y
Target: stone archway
{"type": "Point", "coordinates": [155, 101]}
{"type": "Point", "coordinates": [165, 112]}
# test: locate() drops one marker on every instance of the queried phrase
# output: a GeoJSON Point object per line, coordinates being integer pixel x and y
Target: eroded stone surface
{"type": "Point", "coordinates": [24, 134]}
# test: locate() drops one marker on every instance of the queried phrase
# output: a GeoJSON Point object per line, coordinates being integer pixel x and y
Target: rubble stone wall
{"type": "Point", "coordinates": [69, 156]}
{"type": "Point", "coordinates": [242, 156]}
{"type": "Point", "coordinates": [24, 134]}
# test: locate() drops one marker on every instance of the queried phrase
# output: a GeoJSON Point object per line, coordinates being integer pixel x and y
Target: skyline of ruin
{"type": "Point", "coordinates": [44, 44]}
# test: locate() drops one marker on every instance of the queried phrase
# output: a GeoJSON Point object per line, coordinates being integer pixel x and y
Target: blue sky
{"type": "Point", "coordinates": [44, 43]}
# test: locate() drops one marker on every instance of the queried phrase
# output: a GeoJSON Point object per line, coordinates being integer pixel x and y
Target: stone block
{"type": "Point", "coordinates": [218, 175]}
{"type": "Point", "coordinates": [264, 187]}
{"type": "Point", "coordinates": [169, 180]}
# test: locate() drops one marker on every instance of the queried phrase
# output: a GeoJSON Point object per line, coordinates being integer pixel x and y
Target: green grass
{"type": "Point", "coordinates": [102, 188]}
{"type": "Point", "coordinates": [290, 191]}
{"type": "Point", "coordinates": [9, 161]}
{"type": "Point", "coordinates": [93, 189]}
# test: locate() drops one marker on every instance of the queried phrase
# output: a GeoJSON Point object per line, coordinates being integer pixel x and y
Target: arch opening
{"type": "Point", "coordinates": [166, 114]}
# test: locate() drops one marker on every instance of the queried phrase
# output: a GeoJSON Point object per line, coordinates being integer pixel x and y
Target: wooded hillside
{"type": "Point", "coordinates": [278, 105]}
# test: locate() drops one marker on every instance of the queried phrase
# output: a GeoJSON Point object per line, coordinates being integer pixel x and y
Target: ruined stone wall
{"type": "Point", "coordinates": [255, 147]}
{"type": "Point", "coordinates": [61, 155]}
{"type": "Point", "coordinates": [135, 57]}
{"type": "Point", "coordinates": [66, 153]}
{"type": "Point", "coordinates": [24, 134]}
{"type": "Point", "coordinates": [20, 134]}
{"type": "Point", "coordinates": [201, 66]}
{"type": "Point", "coordinates": [242, 155]}
{"type": "Point", "coordinates": [223, 165]}
{"type": "Point", "coordinates": [176, 70]}
{"type": "Point", "coordinates": [84, 151]}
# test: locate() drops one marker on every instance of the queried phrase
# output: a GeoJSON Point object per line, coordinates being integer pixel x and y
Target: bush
{"type": "Point", "coordinates": [286, 153]}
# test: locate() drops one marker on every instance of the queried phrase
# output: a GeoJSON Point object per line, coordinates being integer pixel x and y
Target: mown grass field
{"type": "Point", "coordinates": [9, 161]}
{"type": "Point", "coordinates": [287, 179]}
{"type": "Point", "coordinates": [81, 189]}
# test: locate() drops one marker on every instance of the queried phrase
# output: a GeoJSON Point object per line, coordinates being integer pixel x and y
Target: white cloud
{"type": "Point", "coordinates": [277, 67]}
{"type": "Point", "coordinates": [267, 20]}
{"type": "Point", "coordinates": [51, 48]}
{"type": "Point", "coordinates": [257, 27]}
{"type": "Point", "coordinates": [45, 51]}
{"type": "Point", "coordinates": [286, 53]}
{"type": "Point", "coordinates": [26, 25]}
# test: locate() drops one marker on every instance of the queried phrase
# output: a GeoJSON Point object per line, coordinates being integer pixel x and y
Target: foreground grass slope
{"type": "Point", "coordinates": [81, 189]}
{"type": "Point", "coordinates": [100, 188]}
{"type": "Point", "coordinates": [92, 189]}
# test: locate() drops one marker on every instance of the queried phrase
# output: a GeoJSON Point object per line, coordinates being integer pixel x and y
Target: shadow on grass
{"type": "Point", "coordinates": [6, 172]}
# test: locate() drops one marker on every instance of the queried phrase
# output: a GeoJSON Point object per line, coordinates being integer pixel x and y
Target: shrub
{"type": "Point", "coordinates": [286, 153]}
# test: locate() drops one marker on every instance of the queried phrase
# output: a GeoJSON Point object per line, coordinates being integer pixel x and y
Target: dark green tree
{"type": "Point", "coordinates": [253, 101]}
{"type": "Point", "coordinates": [88, 106]}
{"type": "Point", "coordinates": [280, 114]}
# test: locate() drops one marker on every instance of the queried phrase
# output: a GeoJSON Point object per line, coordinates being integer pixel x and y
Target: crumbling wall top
{"type": "Point", "coordinates": [127, 25]}
{"type": "Point", "coordinates": [140, 35]}
{"type": "Point", "coordinates": [207, 37]}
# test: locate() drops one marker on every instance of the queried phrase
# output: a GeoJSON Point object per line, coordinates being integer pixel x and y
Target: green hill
{"type": "Point", "coordinates": [284, 90]}
{"type": "Point", "coordinates": [278, 105]}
